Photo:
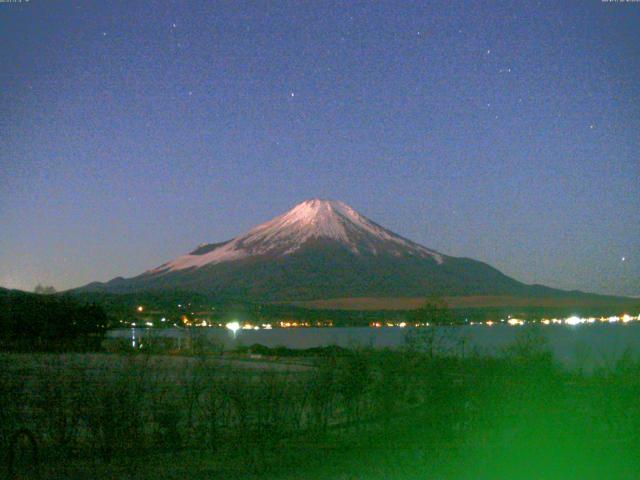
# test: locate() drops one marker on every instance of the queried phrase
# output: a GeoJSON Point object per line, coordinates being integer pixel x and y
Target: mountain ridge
{"type": "Point", "coordinates": [322, 249]}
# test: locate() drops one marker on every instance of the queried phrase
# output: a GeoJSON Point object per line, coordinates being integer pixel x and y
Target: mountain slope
{"type": "Point", "coordinates": [321, 249]}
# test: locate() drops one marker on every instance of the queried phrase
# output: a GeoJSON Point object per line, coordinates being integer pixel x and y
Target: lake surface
{"type": "Point", "coordinates": [587, 345]}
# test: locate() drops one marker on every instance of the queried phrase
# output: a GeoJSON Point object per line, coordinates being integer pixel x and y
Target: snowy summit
{"type": "Point", "coordinates": [322, 220]}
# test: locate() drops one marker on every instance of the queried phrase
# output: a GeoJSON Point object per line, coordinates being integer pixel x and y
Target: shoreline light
{"type": "Point", "coordinates": [573, 320]}
{"type": "Point", "coordinates": [233, 326]}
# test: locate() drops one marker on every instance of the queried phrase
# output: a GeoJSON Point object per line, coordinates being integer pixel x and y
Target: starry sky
{"type": "Point", "coordinates": [508, 132]}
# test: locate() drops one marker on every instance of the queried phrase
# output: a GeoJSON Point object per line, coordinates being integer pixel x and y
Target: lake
{"type": "Point", "coordinates": [588, 345]}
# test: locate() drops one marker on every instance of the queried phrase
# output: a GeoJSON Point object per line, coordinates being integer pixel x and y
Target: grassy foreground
{"type": "Point", "coordinates": [355, 415]}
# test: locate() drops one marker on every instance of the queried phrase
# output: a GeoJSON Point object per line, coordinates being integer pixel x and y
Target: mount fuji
{"type": "Point", "coordinates": [321, 249]}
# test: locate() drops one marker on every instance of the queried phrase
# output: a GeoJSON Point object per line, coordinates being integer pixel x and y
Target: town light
{"type": "Point", "coordinates": [233, 326]}
{"type": "Point", "coordinates": [573, 320]}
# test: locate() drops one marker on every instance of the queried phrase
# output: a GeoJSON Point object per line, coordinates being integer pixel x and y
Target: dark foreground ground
{"type": "Point", "coordinates": [409, 414]}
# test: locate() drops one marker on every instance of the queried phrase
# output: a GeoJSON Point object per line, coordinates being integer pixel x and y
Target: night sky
{"type": "Point", "coordinates": [507, 132]}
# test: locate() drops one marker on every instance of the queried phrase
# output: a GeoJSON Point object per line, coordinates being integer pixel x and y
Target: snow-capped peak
{"type": "Point", "coordinates": [312, 219]}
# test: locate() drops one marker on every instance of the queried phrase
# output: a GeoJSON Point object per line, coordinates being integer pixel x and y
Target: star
{"type": "Point", "coordinates": [488, 51]}
{"type": "Point", "coordinates": [623, 259]}
{"type": "Point", "coordinates": [173, 25]}
{"type": "Point", "coordinates": [104, 34]}
{"type": "Point", "coordinates": [292, 94]}
{"type": "Point", "coordinates": [592, 126]}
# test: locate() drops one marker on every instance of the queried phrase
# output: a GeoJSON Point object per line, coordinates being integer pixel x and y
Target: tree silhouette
{"type": "Point", "coordinates": [434, 311]}
{"type": "Point", "coordinates": [44, 289]}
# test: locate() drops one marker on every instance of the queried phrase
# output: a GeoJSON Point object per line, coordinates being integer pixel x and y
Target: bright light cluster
{"type": "Point", "coordinates": [397, 324]}
{"type": "Point", "coordinates": [301, 323]}
{"type": "Point", "coordinates": [575, 320]}
{"type": "Point", "coordinates": [235, 326]}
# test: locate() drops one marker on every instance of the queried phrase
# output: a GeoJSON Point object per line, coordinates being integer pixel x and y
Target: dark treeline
{"type": "Point", "coordinates": [34, 322]}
